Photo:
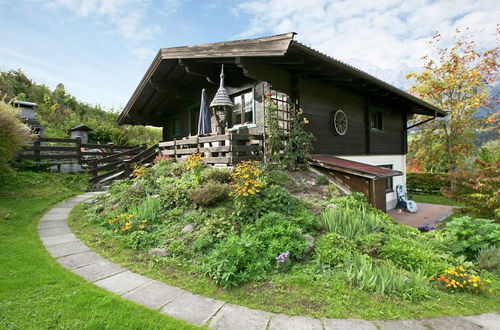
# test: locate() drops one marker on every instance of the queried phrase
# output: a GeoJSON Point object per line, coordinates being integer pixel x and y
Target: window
{"type": "Point", "coordinates": [377, 121]}
{"type": "Point", "coordinates": [243, 109]}
{"type": "Point", "coordinates": [176, 127]}
{"type": "Point", "coordinates": [389, 184]}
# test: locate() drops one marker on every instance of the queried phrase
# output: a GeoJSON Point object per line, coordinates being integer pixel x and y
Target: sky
{"type": "Point", "coordinates": [100, 49]}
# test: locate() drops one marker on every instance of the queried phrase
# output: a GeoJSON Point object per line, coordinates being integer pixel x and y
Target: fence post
{"type": "Point", "coordinates": [126, 168]}
{"type": "Point", "coordinates": [78, 143]}
{"type": "Point", "coordinates": [36, 151]}
{"type": "Point", "coordinates": [94, 169]}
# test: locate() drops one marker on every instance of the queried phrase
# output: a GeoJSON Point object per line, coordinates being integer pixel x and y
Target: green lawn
{"type": "Point", "coordinates": [434, 199]}
{"type": "Point", "coordinates": [35, 291]}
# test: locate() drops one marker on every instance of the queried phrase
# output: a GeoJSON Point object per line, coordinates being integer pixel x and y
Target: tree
{"type": "Point", "coordinates": [459, 81]}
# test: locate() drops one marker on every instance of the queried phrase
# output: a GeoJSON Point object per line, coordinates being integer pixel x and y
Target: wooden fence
{"type": "Point", "coordinates": [117, 166]}
{"type": "Point", "coordinates": [229, 148]}
{"type": "Point", "coordinates": [57, 151]}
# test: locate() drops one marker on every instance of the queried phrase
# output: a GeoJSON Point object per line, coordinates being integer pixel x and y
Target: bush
{"type": "Point", "coordinates": [468, 236]}
{"type": "Point", "coordinates": [236, 260]}
{"type": "Point", "coordinates": [251, 255]}
{"type": "Point", "coordinates": [209, 194]}
{"type": "Point", "coordinates": [217, 175]}
{"type": "Point", "coordinates": [489, 259]}
{"type": "Point", "coordinates": [13, 134]}
{"type": "Point", "coordinates": [478, 190]}
{"type": "Point", "coordinates": [371, 244]}
{"type": "Point", "coordinates": [411, 255]}
{"type": "Point", "coordinates": [427, 183]}
{"type": "Point", "coordinates": [141, 240]}
{"type": "Point", "coordinates": [384, 278]}
{"type": "Point", "coordinates": [332, 249]}
{"type": "Point", "coordinates": [458, 279]}
{"type": "Point", "coordinates": [174, 191]}
{"type": "Point", "coordinates": [322, 180]}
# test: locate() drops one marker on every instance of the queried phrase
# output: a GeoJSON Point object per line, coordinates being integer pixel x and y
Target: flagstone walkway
{"type": "Point", "coordinates": [75, 256]}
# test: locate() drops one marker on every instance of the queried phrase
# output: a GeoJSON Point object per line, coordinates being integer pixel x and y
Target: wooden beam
{"type": "Point", "coordinates": [253, 69]}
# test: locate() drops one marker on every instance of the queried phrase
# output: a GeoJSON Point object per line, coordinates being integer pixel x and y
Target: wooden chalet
{"type": "Point", "coordinates": [355, 117]}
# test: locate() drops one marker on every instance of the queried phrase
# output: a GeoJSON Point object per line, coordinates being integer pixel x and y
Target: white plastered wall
{"type": "Point", "coordinates": [398, 163]}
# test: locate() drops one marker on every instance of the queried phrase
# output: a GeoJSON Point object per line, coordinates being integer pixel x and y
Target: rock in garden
{"type": "Point", "coordinates": [188, 228]}
{"type": "Point", "coordinates": [332, 206]}
{"type": "Point", "coordinates": [160, 252]}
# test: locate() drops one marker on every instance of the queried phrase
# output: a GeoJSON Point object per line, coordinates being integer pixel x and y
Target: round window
{"type": "Point", "coordinates": [338, 122]}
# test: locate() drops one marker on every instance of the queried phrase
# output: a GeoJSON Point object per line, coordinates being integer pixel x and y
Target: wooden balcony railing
{"type": "Point", "coordinates": [228, 149]}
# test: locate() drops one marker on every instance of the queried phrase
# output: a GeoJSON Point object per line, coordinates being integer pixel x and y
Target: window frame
{"type": "Point", "coordinates": [389, 182]}
{"type": "Point", "coordinates": [242, 92]}
{"type": "Point", "coordinates": [379, 112]}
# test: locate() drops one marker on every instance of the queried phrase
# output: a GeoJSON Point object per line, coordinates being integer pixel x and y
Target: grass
{"type": "Point", "coordinates": [434, 199]}
{"type": "Point", "coordinates": [293, 293]}
{"type": "Point", "coordinates": [35, 291]}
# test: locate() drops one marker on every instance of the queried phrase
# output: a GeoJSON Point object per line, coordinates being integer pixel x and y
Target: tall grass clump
{"type": "Point", "coordinates": [350, 222]}
{"type": "Point", "coordinates": [384, 278]}
{"type": "Point", "coordinates": [149, 209]}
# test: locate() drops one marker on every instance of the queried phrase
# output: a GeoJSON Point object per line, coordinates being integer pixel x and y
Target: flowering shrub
{"type": "Point", "coordinates": [139, 171]}
{"type": "Point", "coordinates": [457, 279]}
{"type": "Point", "coordinates": [246, 179]}
{"type": "Point", "coordinates": [126, 223]}
{"type": "Point", "coordinates": [194, 161]}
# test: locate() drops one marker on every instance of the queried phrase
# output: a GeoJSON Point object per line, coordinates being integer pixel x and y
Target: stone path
{"type": "Point", "coordinates": [75, 256]}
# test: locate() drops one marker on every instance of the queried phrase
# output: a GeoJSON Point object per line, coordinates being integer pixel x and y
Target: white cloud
{"type": "Point", "coordinates": [127, 17]}
{"type": "Point", "coordinates": [387, 34]}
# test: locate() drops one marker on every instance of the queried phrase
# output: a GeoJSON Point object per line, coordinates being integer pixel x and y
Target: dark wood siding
{"type": "Point", "coordinates": [319, 101]}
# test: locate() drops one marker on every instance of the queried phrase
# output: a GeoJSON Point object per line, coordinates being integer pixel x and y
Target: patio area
{"type": "Point", "coordinates": [427, 214]}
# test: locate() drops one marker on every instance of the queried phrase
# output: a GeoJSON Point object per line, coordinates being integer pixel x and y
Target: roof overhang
{"type": "Point", "coordinates": [351, 167]}
{"type": "Point", "coordinates": [177, 75]}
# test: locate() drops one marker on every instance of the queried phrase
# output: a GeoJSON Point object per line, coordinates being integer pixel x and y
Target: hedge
{"type": "Point", "coordinates": [426, 183]}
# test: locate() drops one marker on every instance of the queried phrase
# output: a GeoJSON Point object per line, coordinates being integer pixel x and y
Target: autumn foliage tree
{"type": "Point", "coordinates": [458, 80]}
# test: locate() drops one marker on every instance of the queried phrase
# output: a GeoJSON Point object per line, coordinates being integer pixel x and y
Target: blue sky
{"type": "Point", "coordinates": [99, 49]}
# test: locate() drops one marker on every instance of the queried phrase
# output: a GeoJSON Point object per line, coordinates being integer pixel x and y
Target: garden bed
{"type": "Point", "coordinates": [245, 239]}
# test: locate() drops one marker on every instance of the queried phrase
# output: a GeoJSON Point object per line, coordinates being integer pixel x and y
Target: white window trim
{"type": "Point", "coordinates": [246, 125]}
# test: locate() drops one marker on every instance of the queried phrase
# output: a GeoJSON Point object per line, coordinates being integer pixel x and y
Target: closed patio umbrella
{"type": "Point", "coordinates": [204, 122]}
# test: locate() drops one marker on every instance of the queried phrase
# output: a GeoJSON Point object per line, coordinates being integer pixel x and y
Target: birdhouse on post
{"type": "Point", "coordinates": [81, 132]}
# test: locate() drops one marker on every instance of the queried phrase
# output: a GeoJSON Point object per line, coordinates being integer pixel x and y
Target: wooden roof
{"type": "Point", "coordinates": [177, 75]}
{"type": "Point", "coordinates": [352, 167]}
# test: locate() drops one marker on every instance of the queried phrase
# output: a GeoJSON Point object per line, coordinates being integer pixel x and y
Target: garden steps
{"type": "Point", "coordinates": [75, 256]}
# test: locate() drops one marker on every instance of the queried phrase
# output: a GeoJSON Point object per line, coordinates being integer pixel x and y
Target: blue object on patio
{"type": "Point", "coordinates": [204, 121]}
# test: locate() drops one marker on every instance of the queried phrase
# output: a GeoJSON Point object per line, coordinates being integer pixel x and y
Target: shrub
{"type": "Point", "coordinates": [411, 255]}
{"type": "Point", "coordinates": [468, 236]}
{"type": "Point", "coordinates": [322, 180]}
{"type": "Point", "coordinates": [427, 183]}
{"type": "Point", "coordinates": [217, 175]}
{"type": "Point", "coordinates": [457, 279]}
{"type": "Point", "coordinates": [246, 179]}
{"type": "Point", "coordinates": [174, 191]}
{"type": "Point", "coordinates": [372, 243]}
{"type": "Point", "coordinates": [236, 260]}
{"type": "Point", "coordinates": [489, 259]}
{"type": "Point", "coordinates": [178, 169]}
{"type": "Point", "coordinates": [332, 249]}
{"type": "Point", "coordinates": [479, 189]}
{"type": "Point", "coordinates": [384, 278]}
{"type": "Point", "coordinates": [252, 254]}
{"type": "Point", "coordinates": [13, 134]}
{"type": "Point", "coordinates": [209, 194]}
{"type": "Point", "coordinates": [141, 240]}
{"type": "Point", "coordinates": [350, 222]}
